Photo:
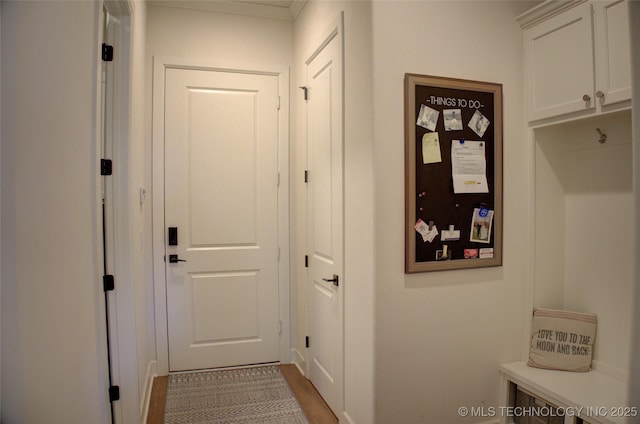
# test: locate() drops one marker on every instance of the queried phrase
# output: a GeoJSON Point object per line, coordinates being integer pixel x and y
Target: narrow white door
{"type": "Point", "coordinates": [325, 215]}
{"type": "Point", "coordinates": [221, 176]}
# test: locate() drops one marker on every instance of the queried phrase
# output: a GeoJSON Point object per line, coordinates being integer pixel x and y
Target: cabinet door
{"type": "Point", "coordinates": [559, 64]}
{"type": "Point", "coordinates": [613, 65]}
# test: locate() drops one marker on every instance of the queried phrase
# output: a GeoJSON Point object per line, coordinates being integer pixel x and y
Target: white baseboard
{"type": "Point", "coordinates": [148, 386]}
{"type": "Point", "coordinates": [298, 359]}
{"type": "Point", "coordinates": [347, 418]}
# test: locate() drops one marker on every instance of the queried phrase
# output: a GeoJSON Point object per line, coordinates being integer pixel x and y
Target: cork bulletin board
{"type": "Point", "coordinates": [453, 173]}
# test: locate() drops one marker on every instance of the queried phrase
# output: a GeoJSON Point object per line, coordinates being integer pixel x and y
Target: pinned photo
{"type": "Point", "coordinates": [479, 123]}
{"type": "Point", "coordinates": [444, 254]}
{"type": "Point", "coordinates": [452, 119]}
{"type": "Point", "coordinates": [428, 118]}
{"type": "Point", "coordinates": [481, 225]}
{"type": "Point", "coordinates": [470, 253]}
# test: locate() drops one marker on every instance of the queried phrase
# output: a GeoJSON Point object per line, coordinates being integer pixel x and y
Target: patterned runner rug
{"type": "Point", "coordinates": [249, 395]}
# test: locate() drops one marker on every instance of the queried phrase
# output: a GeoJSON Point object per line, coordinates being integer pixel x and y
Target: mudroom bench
{"type": "Point", "coordinates": [534, 395]}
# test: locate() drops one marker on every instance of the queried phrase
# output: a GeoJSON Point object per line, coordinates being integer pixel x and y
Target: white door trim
{"type": "Point", "coordinates": [160, 65]}
{"type": "Point", "coordinates": [123, 338]}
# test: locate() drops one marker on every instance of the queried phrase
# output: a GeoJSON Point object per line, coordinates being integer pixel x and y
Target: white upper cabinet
{"type": "Point", "coordinates": [559, 64]}
{"type": "Point", "coordinates": [613, 65]}
{"type": "Point", "coordinates": [576, 58]}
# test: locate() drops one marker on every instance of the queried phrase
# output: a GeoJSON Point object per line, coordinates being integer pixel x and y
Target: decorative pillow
{"type": "Point", "coordinates": [562, 340]}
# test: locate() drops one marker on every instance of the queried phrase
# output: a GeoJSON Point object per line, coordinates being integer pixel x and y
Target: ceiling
{"type": "Point", "coordinates": [276, 3]}
{"type": "Point", "coordinates": [275, 9]}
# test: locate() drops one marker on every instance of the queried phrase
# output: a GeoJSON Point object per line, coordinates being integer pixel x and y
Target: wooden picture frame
{"type": "Point", "coordinates": [442, 114]}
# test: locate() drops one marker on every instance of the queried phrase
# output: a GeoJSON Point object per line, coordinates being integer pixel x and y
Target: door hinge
{"type": "Point", "coordinates": [306, 93]}
{"type": "Point", "coordinates": [106, 167]}
{"type": "Point", "coordinates": [108, 283]}
{"type": "Point", "coordinates": [279, 327]}
{"type": "Point", "coordinates": [278, 102]}
{"type": "Point", "coordinates": [306, 342]}
{"type": "Point", "coordinates": [107, 52]}
{"type": "Point", "coordinates": [306, 261]}
{"type": "Point", "coordinates": [114, 393]}
{"type": "Point", "coordinates": [278, 180]}
{"type": "Point", "coordinates": [306, 176]}
{"type": "Point", "coordinates": [278, 253]}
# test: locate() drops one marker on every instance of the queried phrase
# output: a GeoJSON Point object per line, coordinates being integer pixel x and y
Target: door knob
{"type": "Point", "coordinates": [173, 259]}
{"type": "Point", "coordinates": [333, 280]}
{"type": "Point", "coordinates": [586, 98]}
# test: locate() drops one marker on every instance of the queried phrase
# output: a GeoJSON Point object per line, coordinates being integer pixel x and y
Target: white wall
{"type": "Point", "coordinates": [310, 27]}
{"type": "Point", "coordinates": [441, 336]}
{"type": "Point", "coordinates": [224, 37]}
{"type": "Point", "coordinates": [550, 210]}
{"type": "Point", "coordinates": [53, 353]}
{"type": "Point", "coordinates": [0, 208]}
{"type": "Point", "coordinates": [634, 27]}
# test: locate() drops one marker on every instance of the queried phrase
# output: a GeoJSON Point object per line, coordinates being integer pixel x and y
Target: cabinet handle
{"type": "Point", "coordinates": [599, 94]}
{"type": "Point", "coordinates": [586, 98]}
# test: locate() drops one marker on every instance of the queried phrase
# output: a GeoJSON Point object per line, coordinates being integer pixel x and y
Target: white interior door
{"type": "Point", "coordinates": [221, 177]}
{"type": "Point", "coordinates": [325, 229]}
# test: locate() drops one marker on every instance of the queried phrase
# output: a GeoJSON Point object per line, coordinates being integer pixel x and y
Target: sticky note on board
{"type": "Point", "coordinates": [431, 148]}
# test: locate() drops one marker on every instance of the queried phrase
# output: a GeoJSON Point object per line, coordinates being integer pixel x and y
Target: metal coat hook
{"type": "Point", "coordinates": [603, 136]}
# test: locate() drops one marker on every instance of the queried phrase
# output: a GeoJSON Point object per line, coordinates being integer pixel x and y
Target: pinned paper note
{"type": "Point", "coordinates": [428, 232]}
{"type": "Point", "coordinates": [469, 167]}
{"type": "Point", "coordinates": [486, 253]}
{"type": "Point", "coordinates": [431, 148]}
{"type": "Point", "coordinates": [450, 235]}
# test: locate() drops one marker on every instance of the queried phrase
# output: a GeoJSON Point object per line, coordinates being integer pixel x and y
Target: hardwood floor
{"type": "Point", "coordinates": [314, 407]}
